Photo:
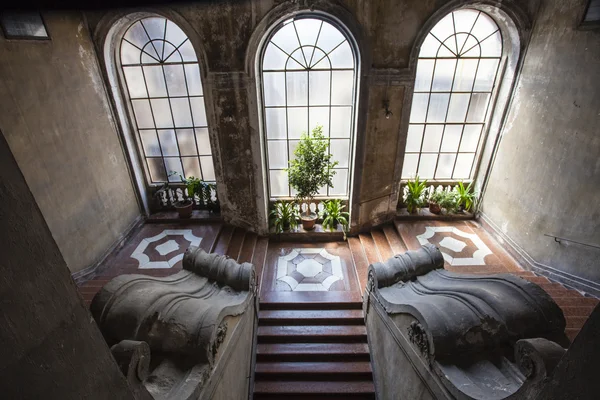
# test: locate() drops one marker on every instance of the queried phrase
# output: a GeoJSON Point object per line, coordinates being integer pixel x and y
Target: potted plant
{"type": "Point", "coordinates": [434, 202]}
{"type": "Point", "coordinates": [183, 207]}
{"type": "Point", "coordinates": [443, 200]}
{"type": "Point", "coordinates": [285, 216]}
{"type": "Point", "coordinates": [333, 215]}
{"type": "Point", "coordinates": [465, 196]}
{"type": "Point", "coordinates": [415, 194]}
{"type": "Point", "coordinates": [311, 169]}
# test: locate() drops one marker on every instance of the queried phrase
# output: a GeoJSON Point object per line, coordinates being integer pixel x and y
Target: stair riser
{"type": "Point", "coordinates": [312, 357]}
{"type": "Point", "coordinates": [262, 339]}
{"type": "Point", "coordinates": [309, 376]}
{"type": "Point", "coordinates": [353, 396]}
{"type": "Point", "coordinates": [309, 321]}
{"type": "Point", "coordinates": [310, 306]}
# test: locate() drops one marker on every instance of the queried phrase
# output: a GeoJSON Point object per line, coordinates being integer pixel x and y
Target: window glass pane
{"type": "Point", "coordinates": [274, 58]}
{"type": "Point", "coordinates": [320, 60]}
{"type": "Point", "coordinates": [457, 111]}
{"type": "Point", "coordinates": [143, 113]}
{"type": "Point", "coordinates": [320, 87]}
{"type": "Point", "coordinates": [465, 74]}
{"type": "Point", "coordinates": [464, 19]}
{"type": "Point", "coordinates": [137, 36]}
{"type": "Point", "coordinates": [157, 169]}
{"type": "Point", "coordinates": [438, 106]}
{"type": "Point", "coordinates": [424, 75]}
{"type": "Point", "coordinates": [470, 138]}
{"type": "Point", "coordinates": [445, 165]}
{"type": "Point", "coordinates": [168, 142]}
{"type": "Point", "coordinates": [430, 47]}
{"type": "Point", "coordinates": [173, 164]}
{"type": "Point", "coordinates": [172, 55]}
{"type": "Point", "coordinates": [329, 38]}
{"type": "Point", "coordinates": [444, 73]}
{"type": "Point", "coordinates": [319, 116]}
{"type": "Point", "coordinates": [275, 121]}
{"type": "Point", "coordinates": [174, 34]}
{"type": "Point", "coordinates": [427, 166]}
{"type": "Point", "coordinates": [307, 29]}
{"type": "Point", "coordinates": [129, 53]}
{"type": "Point", "coordinates": [203, 141]}
{"type": "Point", "coordinates": [443, 29]}
{"type": "Point", "coordinates": [155, 80]}
{"type": "Point", "coordinates": [484, 27]}
{"type": "Point", "coordinates": [419, 107]}
{"type": "Point", "coordinates": [295, 61]}
{"type": "Point", "coordinates": [208, 170]}
{"type": "Point", "coordinates": [187, 142]}
{"type": "Point", "coordinates": [277, 154]}
{"type": "Point", "coordinates": [492, 46]}
{"type": "Point", "coordinates": [162, 113]}
{"type": "Point", "coordinates": [274, 88]}
{"type": "Point", "coordinates": [181, 112]}
{"type": "Point", "coordinates": [175, 80]}
{"type": "Point", "coordinates": [135, 81]}
{"type": "Point", "coordinates": [461, 38]}
{"type": "Point", "coordinates": [286, 38]}
{"type": "Point", "coordinates": [21, 24]}
{"type": "Point", "coordinates": [187, 52]}
{"type": "Point", "coordinates": [279, 184]}
{"type": "Point", "coordinates": [297, 121]}
{"type": "Point", "coordinates": [150, 143]}
{"type": "Point", "coordinates": [340, 149]}
{"type": "Point", "coordinates": [292, 144]}
{"type": "Point", "coordinates": [432, 138]}
{"type": "Point", "coordinates": [478, 107]}
{"type": "Point", "coordinates": [464, 162]}
{"type": "Point", "coordinates": [342, 83]}
{"type": "Point", "coordinates": [198, 111]}
{"type": "Point", "coordinates": [451, 139]}
{"type": "Point", "coordinates": [191, 167]}
{"type": "Point", "coordinates": [486, 73]}
{"type": "Point", "coordinates": [414, 138]}
{"type": "Point", "coordinates": [409, 169]}
{"type": "Point", "coordinates": [342, 56]}
{"type": "Point", "coordinates": [194, 82]}
{"type": "Point", "coordinates": [341, 122]}
{"type": "Point", "coordinates": [297, 88]}
{"type": "Point", "coordinates": [340, 183]}
{"type": "Point", "coordinates": [155, 27]}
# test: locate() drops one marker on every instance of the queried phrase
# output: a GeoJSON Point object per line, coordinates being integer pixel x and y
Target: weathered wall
{"type": "Point", "coordinates": [49, 345]}
{"type": "Point", "coordinates": [547, 169]}
{"type": "Point", "coordinates": [55, 114]}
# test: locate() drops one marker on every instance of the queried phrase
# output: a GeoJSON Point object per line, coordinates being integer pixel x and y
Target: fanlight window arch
{"type": "Point", "coordinates": [457, 72]}
{"type": "Point", "coordinates": [164, 87]}
{"type": "Point", "coordinates": [309, 77]}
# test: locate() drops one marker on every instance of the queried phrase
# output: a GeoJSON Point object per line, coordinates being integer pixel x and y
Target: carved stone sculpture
{"type": "Point", "coordinates": [179, 321]}
{"type": "Point", "coordinates": [462, 336]}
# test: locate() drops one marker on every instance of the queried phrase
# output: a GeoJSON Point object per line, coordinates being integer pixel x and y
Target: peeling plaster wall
{"type": "Point", "coordinates": [547, 170]}
{"type": "Point", "coordinates": [50, 346]}
{"type": "Point", "coordinates": [56, 117]}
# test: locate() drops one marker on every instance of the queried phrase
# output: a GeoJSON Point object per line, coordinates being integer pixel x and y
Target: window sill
{"type": "Point", "coordinates": [173, 216]}
{"type": "Point", "coordinates": [425, 214]}
{"type": "Point", "coordinates": [318, 234]}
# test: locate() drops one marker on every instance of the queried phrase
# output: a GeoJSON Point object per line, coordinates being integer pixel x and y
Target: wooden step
{"type": "Point", "coordinates": [236, 243]}
{"type": "Point", "coordinates": [222, 242]}
{"type": "Point", "coordinates": [360, 261]}
{"type": "Point", "coordinates": [259, 257]}
{"type": "Point", "coordinates": [577, 311]}
{"type": "Point", "coordinates": [312, 334]}
{"type": "Point", "coordinates": [311, 317]}
{"type": "Point", "coordinates": [575, 322]}
{"type": "Point", "coordinates": [369, 247]}
{"type": "Point", "coordinates": [576, 301]}
{"type": "Point", "coordinates": [308, 388]}
{"type": "Point", "coordinates": [398, 247]}
{"type": "Point", "coordinates": [311, 301]}
{"type": "Point", "coordinates": [343, 370]}
{"type": "Point", "coordinates": [383, 247]}
{"type": "Point", "coordinates": [247, 250]}
{"type": "Point", "coordinates": [305, 352]}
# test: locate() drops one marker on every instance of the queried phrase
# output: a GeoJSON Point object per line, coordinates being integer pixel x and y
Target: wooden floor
{"type": "Point", "coordinates": [311, 336]}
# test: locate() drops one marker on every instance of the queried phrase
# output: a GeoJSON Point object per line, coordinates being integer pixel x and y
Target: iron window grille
{"type": "Point", "coordinates": [308, 69]}
{"type": "Point", "coordinates": [164, 86]}
{"type": "Point", "coordinates": [457, 71]}
{"type": "Point", "coordinates": [23, 25]}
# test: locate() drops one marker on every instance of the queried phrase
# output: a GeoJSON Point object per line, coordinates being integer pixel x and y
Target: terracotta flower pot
{"type": "Point", "coordinates": [184, 208]}
{"type": "Point", "coordinates": [435, 208]}
{"type": "Point", "coordinates": [308, 221]}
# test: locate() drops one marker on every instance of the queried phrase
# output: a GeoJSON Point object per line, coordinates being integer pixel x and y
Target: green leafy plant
{"type": "Point", "coordinates": [312, 167]}
{"type": "Point", "coordinates": [446, 200]}
{"type": "Point", "coordinates": [333, 215]}
{"type": "Point", "coordinates": [415, 195]}
{"type": "Point", "coordinates": [466, 196]}
{"type": "Point", "coordinates": [284, 216]}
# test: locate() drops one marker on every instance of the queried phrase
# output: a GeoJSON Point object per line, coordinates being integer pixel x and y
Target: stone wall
{"type": "Point", "coordinates": [546, 173]}
{"type": "Point", "coordinates": [49, 345]}
{"type": "Point", "coordinates": [55, 114]}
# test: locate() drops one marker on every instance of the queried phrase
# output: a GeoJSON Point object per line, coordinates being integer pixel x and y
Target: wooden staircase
{"type": "Point", "coordinates": [312, 348]}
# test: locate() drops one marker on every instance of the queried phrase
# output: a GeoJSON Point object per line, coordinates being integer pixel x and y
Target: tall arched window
{"type": "Point", "coordinates": [164, 87]}
{"type": "Point", "coordinates": [457, 71]}
{"type": "Point", "coordinates": [308, 69]}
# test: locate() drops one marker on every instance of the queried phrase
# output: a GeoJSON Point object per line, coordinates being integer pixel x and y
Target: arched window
{"type": "Point", "coordinates": [164, 88]}
{"type": "Point", "coordinates": [308, 69]}
{"type": "Point", "coordinates": [457, 72]}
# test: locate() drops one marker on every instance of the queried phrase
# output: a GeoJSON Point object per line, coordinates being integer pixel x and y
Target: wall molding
{"type": "Point", "coordinates": [89, 272]}
{"type": "Point", "coordinates": [572, 281]}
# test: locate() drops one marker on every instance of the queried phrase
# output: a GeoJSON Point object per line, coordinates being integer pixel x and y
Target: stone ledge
{"type": "Point", "coordinates": [173, 216]}
{"type": "Point", "coordinates": [318, 234]}
{"type": "Point", "coordinates": [425, 214]}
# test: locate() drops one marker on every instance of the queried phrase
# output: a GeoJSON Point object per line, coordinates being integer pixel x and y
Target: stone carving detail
{"type": "Point", "coordinates": [418, 336]}
{"type": "Point", "coordinates": [180, 319]}
{"type": "Point", "coordinates": [464, 325]}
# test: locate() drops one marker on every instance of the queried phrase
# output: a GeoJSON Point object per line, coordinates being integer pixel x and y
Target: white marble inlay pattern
{"type": "Point", "coordinates": [144, 260]}
{"type": "Point", "coordinates": [167, 247]}
{"type": "Point", "coordinates": [313, 264]}
{"type": "Point", "coordinates": [453, 244]}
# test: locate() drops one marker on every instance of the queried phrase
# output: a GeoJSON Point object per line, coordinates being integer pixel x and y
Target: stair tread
{"type": "Point", "coordinates": [325, 367]}
{"type": "Point", "coordinates": [393, 238]}
{"type": "Point", "coordinates": [360, 261]}
{"type": "Point", "coordinates": [223, 240]}
{"type": "Point", "coordinates": [315, 331]}
{"type": "Point", "coordinates": [312, 348]}
{"type": "Point", "coordinates": [315, 315]}
{"type": "Point", "coordinates": [383, 247]}
{"type": "Point", "coordinates": [247, 250]}
{"type": "Point", "coordinates": [259, 256]}
{"type": "Point", "coordinates": [370, 249]}
{"type": "Point", "coordinates": [318, 387]}
{"type": "Point", "coordinates": [311, 300]}
{"type": "Point", "coordinates": [236, 243]}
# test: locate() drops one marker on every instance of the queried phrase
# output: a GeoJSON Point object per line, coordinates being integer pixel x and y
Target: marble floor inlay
{"type": "Point", "coordinates": [153, 252]}
{"type": "Point", "coordinates": [309, 269]}
{"type": "Point", "coordinates": [457, 247]}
